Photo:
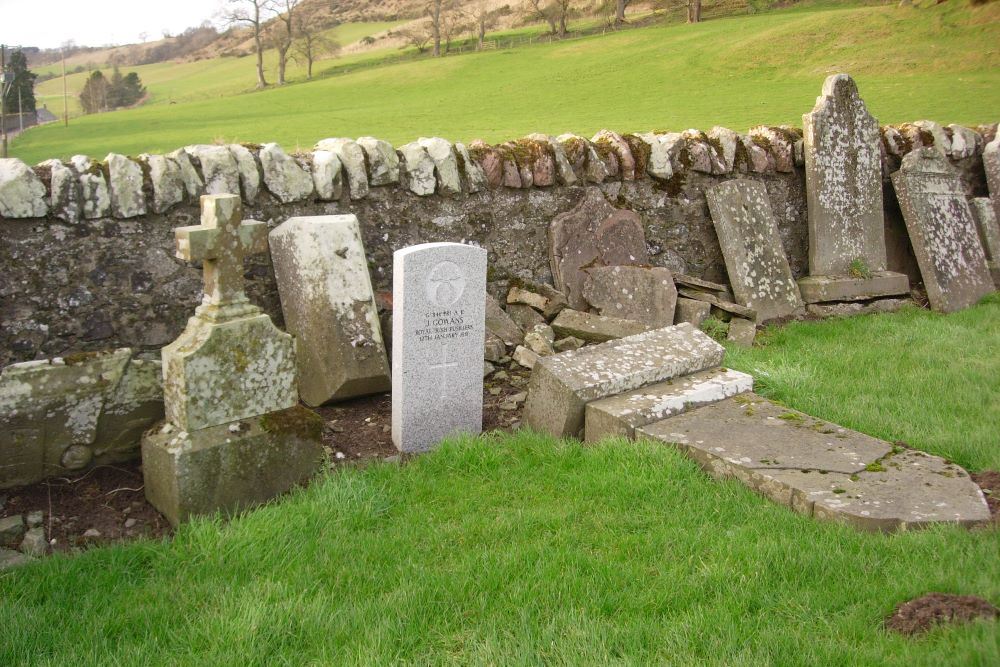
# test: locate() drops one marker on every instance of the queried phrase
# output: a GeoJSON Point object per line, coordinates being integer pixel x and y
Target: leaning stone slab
{"type": "Point", "coordinates": [821, 469]}
{"type": "Point", "coordinates": [218, 169]}
{"type": "Point", "coordinates": [352, 157]}
{"type": "Point", "coordinates": [716, 302]}
{"type": "Point", "coordinates": [249, 172]}
{"type": "Point", "coordinates": [989, 234]}
{"type": "Point", "coordinates": [65, 196]}
{"type": "Point", "coordinates": [643, 294]}
{"type": "Point", "coordinates": [69, 413]}
{"type": "Point", "coordinates": [230, 467]}
{"type": "Point", "coordinates": [329, 306]}
{"type": "Point", "coordinates": [619, 416]}
{"type": "Point", "coordinates": [165, 177]}
{"type": "Point", "coordinates": [562, 385]}
{"type": "Point", "coordinates": [284, 178]}
{"type": "Point", "coordinates": [383, 162]}
{"type": "Point", "coordinates": [751, 246]}
{"type": "Point", "coordinates": [719, 289]}
{"type": "Point", "coordinates": [438, 323]}
{"type": "Point", "coordinates": [942, 231]}
{"type": "Point", "coordinates": [595, 328]}
{"type": "Point", "coordinates": [816, 289]}
{"type": "Point", "coordinates": [445, 164]}
{"type": "Point", "coordinates": [22, 193]}
{"type": "Point", "coordinates": [418, 169]}
{"type": "Point", "coordinates": [843, 182]}
{"type": "Point", "coordinates": [593, 233]}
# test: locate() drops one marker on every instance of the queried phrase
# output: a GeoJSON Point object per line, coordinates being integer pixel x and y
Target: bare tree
{"type": "Point", "coordinates": [694, 11]}
{"type": "Point", "coordinates": [283, 33]}
{"type": "Point", "coordinates": [249, 12]}
{"type": "Point", "coordinates": [562, 8]}
{"type": "Point", "coordinates": [418, 37]}
{"type": "Point", "coordinates": [543, 9]}
{"type": "Point", "coordinates": [483, 18]}
{"type": "Point", "coordinates": [620, 6]}
{"type": "Point", "coordinates": [311, 45]}
{"type": "Point", "coordinates": [434, 9]}
{"type": "Point", "coordinates": [452, 24]}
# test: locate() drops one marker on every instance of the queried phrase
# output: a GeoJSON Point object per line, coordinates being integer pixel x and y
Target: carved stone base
{"type": "Point", "coordinates": [232, 466]}
{"type": "Point", "coordinates": [816, 289]}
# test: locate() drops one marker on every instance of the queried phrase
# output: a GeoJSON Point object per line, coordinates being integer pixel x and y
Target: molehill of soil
{"type": "Point", "coordinates": [923, 613]}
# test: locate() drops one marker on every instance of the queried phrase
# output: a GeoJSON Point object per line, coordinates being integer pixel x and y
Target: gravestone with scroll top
{"type": "Point", "coordinates": [438, 331]}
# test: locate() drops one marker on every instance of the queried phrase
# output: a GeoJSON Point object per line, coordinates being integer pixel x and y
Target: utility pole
{"type": "Point", "coordinates": [65, 98]}
{"type": "Point", "coordinates": [20, 111]}
{"type": "Point", "coordinates": [3, 98]}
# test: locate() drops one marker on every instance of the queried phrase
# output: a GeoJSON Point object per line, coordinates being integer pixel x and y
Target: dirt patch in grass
{"type": "Point", "coordinates": [989, 482]}
{"type": "Point", "coordinates": [922, 613]}
{"type": "Point", "coordinates": [110, 499]}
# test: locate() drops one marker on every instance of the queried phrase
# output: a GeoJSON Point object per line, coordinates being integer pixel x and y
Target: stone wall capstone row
{"type": "Point", "coordinates": [83, 270]}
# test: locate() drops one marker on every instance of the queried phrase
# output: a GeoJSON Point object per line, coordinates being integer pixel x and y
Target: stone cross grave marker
{"type": "Point", "coordinates": [438, 330]}
{"type": "Point", "coordinates": [234, 433]}
{"type": "Point", "coordinates": [755, 260]}
{"type": "Point", "coordinates": [843, 165]}
{"type": "Point", "coordinates": [942, 231]}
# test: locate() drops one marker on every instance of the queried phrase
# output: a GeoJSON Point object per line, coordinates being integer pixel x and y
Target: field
{"type": "Point", "coordinates": [935, 62]}
{"type": "Point", "coordinates": [517, 549]}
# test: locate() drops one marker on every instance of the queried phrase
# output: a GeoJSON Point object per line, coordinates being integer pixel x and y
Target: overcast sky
{"type": "Point", "coordinates": [49, 23]}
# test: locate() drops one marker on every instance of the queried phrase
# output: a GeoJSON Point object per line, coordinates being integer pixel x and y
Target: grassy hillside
{"type": "Point", "coordinates": [938, 62]}
{"type": "Point", "coordinates": [519, 550]}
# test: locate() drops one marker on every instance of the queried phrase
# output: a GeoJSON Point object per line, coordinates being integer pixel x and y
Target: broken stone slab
{"type": "Point", "coordinates": [741, 332]}
{"type": "Point", "coordinates": [615, 142]}
{"type": "Point", "coordinates": [619, 416]}
{"type": "Point", "coordinates": [500, 324]}
{"type": "Point", "coordinates": [230, 467]}
{"type": "Point", "coordinates": [640, 293]}
{"type": "Point", "coordinates": [525, 317]}
{"type": "Point", "coordinates": [248, 170]}
{"type": "Point", "coordinates": [593, 233]}
{"type": "Point", "coordinates": [543, 297]}
{"type": "Point", "coordinates": [721, 304]}
{"type": "Point", "coordinates": [22, 193]}
{"type": "Point", "coordinates": [564, 171]}
{"type": "Point", "coordinates": [567, 343]}
{"type": "Point", "coordinates": [352, 157]}
{"type": "Point", "coordinates": [473, 175]}
{"type": "Point", "coordinates": [66, 414]}
{"type": "Point", "coordinates": [540, 339]}
{"type": "Point", "coordinates": [194, 185]}
{"type": "Point", "coordinates": [494, 349]}
{"type": "Point", "coordinates": [64, 187]}
{"type": "Point", "coordinates": [418, 169]}
{"type": "Point", "coordinates": [526, 298]}
{"type": "Point", "coordinates": [218, 168]}
{"type": "Point", "coordinates": [595, 328]}
{"type": "Point", "coordinates": [751, 246]}
{"type": "Point", "coordinates": [989, 234]}
{"type": "Point", "coordinates": [562, 385]}
{"type": "Point", "coordinates": [819, 468]}
{"type": "Point", "coordinates": [327, 175]}
{"type": "Point", "coordinates": [165, 177]}
{"type": "Point", "coordinates": [283, 176]}
{"type": "Point", "coordinates": [125, 185]}
{"type": "Point", "coordinates": [856, 307]}
{"type": "Point", "coordinates": [445, 164]}
{"type": "Point", "coordinates": [383, 163]}
{"type": "Point", "coordinates": [843, 182]}
{"type": "Point", "coordinates": [525, 357]}
{"type": "Point", "coordinates": [691, 311]}
{"type": "Point", "coordinates": [816, 289]}
{"type": "Point", "coordinates": [329, 306]}
{"type": "Point", "coordinates": [700, 284]}
{"type": "Point", "coordinates": [942, 231]}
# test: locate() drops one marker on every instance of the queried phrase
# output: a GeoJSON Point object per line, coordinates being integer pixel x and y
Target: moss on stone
{"type": "Point", "coordinates": [641, 152]}
{"type": "Point", "coordinates": [296, 420]}
{"type": "Point", "coordinates": [78, 358]}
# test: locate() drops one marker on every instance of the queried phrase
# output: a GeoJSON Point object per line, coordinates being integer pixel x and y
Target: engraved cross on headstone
{"type": "Point", "coordinates": [443, 367]}
{"type": "Point", "coordinates": [221, 242]}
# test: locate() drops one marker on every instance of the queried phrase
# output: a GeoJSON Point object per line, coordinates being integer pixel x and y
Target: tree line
{"type": "Point", "coordinates": [101, 93]}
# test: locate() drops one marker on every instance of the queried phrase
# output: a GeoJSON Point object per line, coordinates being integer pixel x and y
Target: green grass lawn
{"type": "Point", "coordinates": [523, 550]}
{"type": "Point", "coordinates": [936, 62]}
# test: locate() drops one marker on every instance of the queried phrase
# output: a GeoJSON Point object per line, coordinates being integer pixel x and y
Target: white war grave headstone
{"type": "Point", "coordinates": [438, 331]}
{"type": "Point", "coordinates": [847, 256]}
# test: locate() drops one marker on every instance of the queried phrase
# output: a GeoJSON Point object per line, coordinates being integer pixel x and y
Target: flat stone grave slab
{"type": "Point", "coordinates": [620, 415]}
{"type": "Point", "coordinates": [942, 231]}
{"type": "Point", "coordinates": [562, 385]}
{"type": "Point", "coordinates": [751, 246]}
{"type": "Point", "coordinates": [593, 233]}
{"type": "Point", "coordinates": [329, 306]}
{"type": "Point", "coordinates": [438, 334]}
{"type": "Point", "coordinates": [817, 289]}
{"type": "Point", "coordinates": [822, 469]}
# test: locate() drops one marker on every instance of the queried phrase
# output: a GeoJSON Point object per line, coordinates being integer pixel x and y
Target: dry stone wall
{"type": "Point", "coordinates": [87, 247]}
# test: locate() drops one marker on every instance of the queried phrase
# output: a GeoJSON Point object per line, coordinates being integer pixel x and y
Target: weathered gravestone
{"type": "Point", "coordinates": [989, 234]}
{"type": "Point", "coordinates": [642, 293]}
{"type": "Point", "coordinates": [942, 231]}
{"type": "Point", "coordinates": [991, 165]}
{"type": "Point", "coordinates": [438, 330]}
{"type": "Point", "coordinates": [329, 306]}
{"type": "Point", "coordinates": [755, 260]}
{"type": "Point", "coordinates": [594, 233]}
{"type": "Point", "coordinates": [847, 256]}
{"type": "Point", "coordinates": [234, 433]}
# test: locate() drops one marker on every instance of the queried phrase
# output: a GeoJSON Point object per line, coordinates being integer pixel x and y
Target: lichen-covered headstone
{"type": "Point", "coordinates": [329, 306]}
{"type": "Point", "coordinates": [989, 234]}
{"type": "Point", "coordinates": [234, 434]}
{"type": "Point", "coordinates": [438, 333]}
{"type": "Point", "coordinates": [942, 231]}
{"type": "Point", "coordinates": [755, 259]}
{"type": "Point", "coordinates": [645, 294]}
{"type": "Point", "coordinates": [844, 188]}
{"type": "Point", "coordinates": [991, 165]}
{"type": "Point", "coordinates": [593, 233]}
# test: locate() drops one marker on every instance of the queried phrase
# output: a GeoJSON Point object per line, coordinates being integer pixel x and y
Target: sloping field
{"type": "Point", "coordinates": [938, 62]}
